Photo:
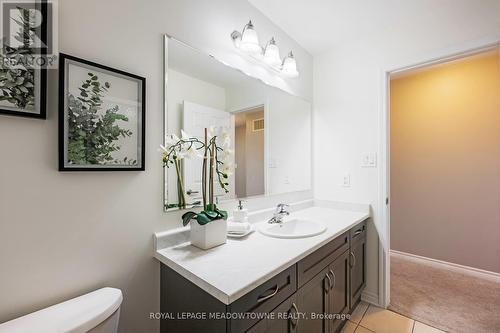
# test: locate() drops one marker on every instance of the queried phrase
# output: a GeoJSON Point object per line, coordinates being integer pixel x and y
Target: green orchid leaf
{"type": "Point", "coordinates": [212, 214]}
{"type": "Point", "coordinates": [223, 214]}
{"type": "Point", "coordinates": [187, 217]}
{"type": "Point", "coordinates": [202, 218]}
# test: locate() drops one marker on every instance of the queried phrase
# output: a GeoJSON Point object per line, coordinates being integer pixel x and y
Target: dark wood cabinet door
{"type": "Point", "coordinates": [358, 269]}
{"type": "Point", "coordinates": [313, 301]}
{"type": "Point", "coordinates": [339, 294]}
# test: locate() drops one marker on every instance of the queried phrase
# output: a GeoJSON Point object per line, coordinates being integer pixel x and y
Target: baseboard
{"type": "Point", "coordinates": [369, 297]}
{"type": "Point", "coordinates": [449, 266]}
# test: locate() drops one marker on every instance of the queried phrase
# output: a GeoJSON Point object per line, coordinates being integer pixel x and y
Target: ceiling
{"type": "Point", "coordinates": [319, 25]}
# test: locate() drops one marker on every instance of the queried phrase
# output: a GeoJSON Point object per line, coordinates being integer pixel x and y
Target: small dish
{"type": "Point", "coordinates": [238, 235]}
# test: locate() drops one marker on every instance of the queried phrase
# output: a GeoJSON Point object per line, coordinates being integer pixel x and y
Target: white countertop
{"type": "Point", "coordinates": [231, 270]}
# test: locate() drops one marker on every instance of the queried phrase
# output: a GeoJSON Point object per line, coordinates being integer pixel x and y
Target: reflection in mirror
{"type": "Point", "coordinates": [270, 130]}
{"type": "Point", "coordinates": [249, 152]}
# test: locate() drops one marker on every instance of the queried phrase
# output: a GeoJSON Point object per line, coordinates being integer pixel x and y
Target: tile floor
{"type": "Point", "coordinates": [371, 319]}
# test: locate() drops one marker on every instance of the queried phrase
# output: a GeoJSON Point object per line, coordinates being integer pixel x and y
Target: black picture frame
{"type": "Point", "coordinates": [41, 87]}
{"type": "Point", "coordinates": [63, 60]}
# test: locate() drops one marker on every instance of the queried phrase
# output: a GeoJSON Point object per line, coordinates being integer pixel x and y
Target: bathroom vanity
{"type": "Point", "coordinates": [264, 284]}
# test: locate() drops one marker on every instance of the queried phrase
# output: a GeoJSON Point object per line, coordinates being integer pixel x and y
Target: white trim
{"type": "Point", "coordinates": [433, 58]}
{"type": "Point", "coordinates": [384, 272]}
{"type": "Point", "coordinates": [371, 298]}
{"type": "Point", "coordinates": [476, 272]}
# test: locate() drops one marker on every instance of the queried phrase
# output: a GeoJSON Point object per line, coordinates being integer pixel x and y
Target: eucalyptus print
{"type": "Point", "coordinates": [101, 117]}
{"type": "Point", "coordinates": [17, 75]}
{"type": "Point", "coordinates": [93, 135]}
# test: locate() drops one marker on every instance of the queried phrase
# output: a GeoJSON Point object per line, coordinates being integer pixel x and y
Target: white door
{"type": "Point", "coordinates": [195, 119]}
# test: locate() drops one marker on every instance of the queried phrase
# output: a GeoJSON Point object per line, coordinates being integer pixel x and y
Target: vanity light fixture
{"type": "Point", "coordinates": [289, 67]}
{"type": "Point", "coordinates": [248, 42]}
{"type": "Point", "coordinates": [272, 54]}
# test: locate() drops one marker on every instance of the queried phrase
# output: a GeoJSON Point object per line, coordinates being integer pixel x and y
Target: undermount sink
{"type": "Point", "coordinates": [293, 228]}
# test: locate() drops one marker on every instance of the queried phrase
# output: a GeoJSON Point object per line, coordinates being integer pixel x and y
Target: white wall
{"type": "Point", "coordinates": [348, 90]}
{"type": "Point", "coordinates": [63, 234]}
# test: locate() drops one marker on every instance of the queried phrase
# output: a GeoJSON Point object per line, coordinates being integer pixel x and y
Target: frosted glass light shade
{"type": "Point", "coordinates": [272, 54]}
{"type": "Point", "coordinates": [290, 66]}
{"type": "Point", "coordinates": [250, 40]}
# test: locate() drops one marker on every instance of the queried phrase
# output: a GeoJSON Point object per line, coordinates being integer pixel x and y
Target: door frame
{"type": "Point", "coordinates": [425, 60]}
{"type": "Point", "coordinates": [265, 105]}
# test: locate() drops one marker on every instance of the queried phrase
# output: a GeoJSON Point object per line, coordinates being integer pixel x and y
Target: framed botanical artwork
{"type": "Point", "coordinates": [23, 58]}
{"type": "Point", "coordinates": [101, 117]}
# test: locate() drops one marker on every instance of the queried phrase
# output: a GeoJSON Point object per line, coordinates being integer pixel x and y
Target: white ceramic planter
{"type": "Point", "coordinates": [209, 235]}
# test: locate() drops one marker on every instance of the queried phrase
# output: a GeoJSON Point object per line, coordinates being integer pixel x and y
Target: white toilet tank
{"type": "Point", "coordinates": [95, 312]}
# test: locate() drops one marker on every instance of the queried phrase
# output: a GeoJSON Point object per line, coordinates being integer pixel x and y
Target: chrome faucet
{"type": "Point", "coordinates": [280, 212]}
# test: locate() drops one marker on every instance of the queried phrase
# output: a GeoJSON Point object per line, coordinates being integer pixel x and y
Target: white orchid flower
{"type": "Point", "coordinates": [163, 149]}
{"type": "Point", "coordinates": [226, 155]}
{"type": "Point", "coordinates": [180, 154]}
{"type": "Point", "coordinates": [228, 169]}
{"type": "Point", "coordinates": [218, 131]}
{"type": "Point", "coordinates": [170, 140]}
{"type": "Point", "coordinates": [185, 136]}
{"type": "Point", "coordinates": [213, 131]}
{"type": "Point", "coordinates": [225, 140]}
{"type": "Point", "coordinates": [192, 152]}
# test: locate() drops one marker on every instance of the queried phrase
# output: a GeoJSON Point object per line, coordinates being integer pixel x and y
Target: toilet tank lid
{"type": "Point", "coordinates": [79, 314]}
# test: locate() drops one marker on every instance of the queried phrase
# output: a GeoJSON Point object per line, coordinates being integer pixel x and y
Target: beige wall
{"type": "Point", "coordinates": [240, 158]}
{"type": "Point", "coordinates": [250, 159]}
{"type": "Point", "coordinates": [255, 156]}
{"type": "Point", "coordinates": [64, 234]}
{"type": "Point", "coordinates": [445, 162]}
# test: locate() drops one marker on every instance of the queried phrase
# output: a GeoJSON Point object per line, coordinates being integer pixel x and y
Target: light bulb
{"type": "Point", "coordinates": [272, 54]}
{"type": "Point", "coordinates": [289, 67]}
{"type": "Point", "coordinates": [250, 40]}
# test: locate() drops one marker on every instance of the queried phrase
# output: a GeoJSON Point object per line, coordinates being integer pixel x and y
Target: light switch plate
{"type": "Point", "coordinates": [346, 181]}
{"type": "Point", "coordinates": [369, 160]}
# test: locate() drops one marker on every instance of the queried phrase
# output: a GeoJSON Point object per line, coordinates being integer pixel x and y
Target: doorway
{"type": "Point", "coordinates": [250, 152]}
{"type": "Point", "coordinates": [444, 174]}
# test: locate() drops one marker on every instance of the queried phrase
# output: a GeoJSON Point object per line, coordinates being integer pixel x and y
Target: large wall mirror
{"type": "Point", "coordinates": [270, 129]}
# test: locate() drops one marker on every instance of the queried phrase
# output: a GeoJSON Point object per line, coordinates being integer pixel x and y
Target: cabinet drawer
{"type": "Point", "coordinates": [314, 263]}
{"type": "Point", "coordinates": [263, 299]}
{"type": "Point", "coordinates": [358, 232]}
{"type": "Point", "coordinates": [283, 319]}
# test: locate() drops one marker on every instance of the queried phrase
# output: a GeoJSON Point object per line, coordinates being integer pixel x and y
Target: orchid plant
{"type": "Point", "coordinates": [217, 163]}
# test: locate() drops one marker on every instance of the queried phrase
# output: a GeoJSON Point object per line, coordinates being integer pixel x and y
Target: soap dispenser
{"type": "Point", "coordinates": [240, 214]}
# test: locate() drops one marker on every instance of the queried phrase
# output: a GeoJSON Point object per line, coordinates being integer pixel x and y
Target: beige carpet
{"type": "Point", "coordinates": [447, 300]}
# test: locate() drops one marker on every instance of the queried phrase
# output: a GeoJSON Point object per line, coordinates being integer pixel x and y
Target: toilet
{"type": "Point", "coordinates": [95, 312]}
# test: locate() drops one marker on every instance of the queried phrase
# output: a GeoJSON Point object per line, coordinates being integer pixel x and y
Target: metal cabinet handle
{"type": "Point", "coordinates": [334, 279]}
{"type": "Point", "coordinates": [294, 307]}
{"type": "Point", "coordinates": [189, 192]}
{"type": "Point", "coordinates": [353, 259]}
{"type": "Point", "coordinates": [263, 298]}
{"type": "Point", "coordinates": [329, 282]}
{"type": "Point", "coordinates": [358, 232]}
